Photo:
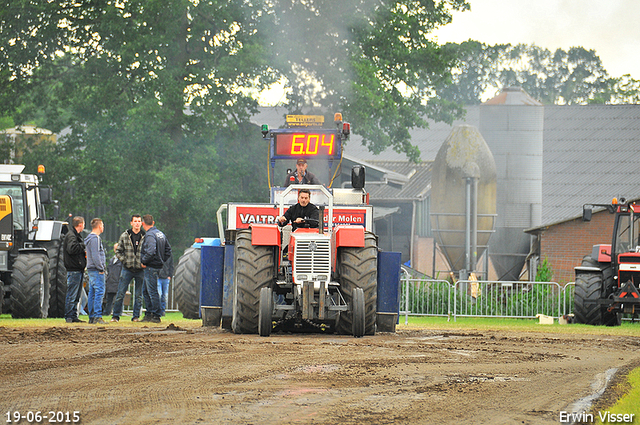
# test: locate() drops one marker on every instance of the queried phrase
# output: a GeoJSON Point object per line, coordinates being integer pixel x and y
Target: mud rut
{"type": "Point", "coordinates": [164, 374]}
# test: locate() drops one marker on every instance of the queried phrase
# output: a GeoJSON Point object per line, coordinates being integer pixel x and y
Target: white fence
{"type": "Point", "coordinates": [425, 297]}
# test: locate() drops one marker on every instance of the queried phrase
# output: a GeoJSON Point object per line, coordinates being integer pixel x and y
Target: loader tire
{"type": "Point", "coordinates": [30, 286]}
{"type": "Point", "coordinates": [358, 268]}
{"type": "Point", "coordinates": [57, 278]}
{"type": "Point", "coordinates": [186, 283]}
{"type": "Point", "coordinates": [254, 269]}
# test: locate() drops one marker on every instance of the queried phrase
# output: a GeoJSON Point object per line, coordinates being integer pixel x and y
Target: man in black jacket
{"type": "Point", "coordinates": [155, 251]}
{"type": "Point", "coordinates": [299, 213]}
{"type": "Point", "coordinates": [75, 260]}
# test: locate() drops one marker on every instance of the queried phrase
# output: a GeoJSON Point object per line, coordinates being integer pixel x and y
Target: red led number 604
{"type": "Point", "coordinates": [310, 144]}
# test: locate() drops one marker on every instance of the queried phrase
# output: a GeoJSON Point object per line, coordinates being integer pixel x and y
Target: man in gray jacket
{"type": "Point", "coordinates": [128, 253]}
{"type": "Point", "coordinates": [96, 266]}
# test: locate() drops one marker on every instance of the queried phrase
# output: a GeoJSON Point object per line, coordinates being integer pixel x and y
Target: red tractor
{"type": "Point", "coordinates": [326, 279]}
{"type": "Point", "coordinates": [263, 278]}
{"type": "Point", "coordinates": [607, 281]}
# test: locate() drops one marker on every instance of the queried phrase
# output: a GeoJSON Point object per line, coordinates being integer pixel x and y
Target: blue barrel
{"type": "Point", "coordinates": [388, 307]}
{"type": "Point", "coordinates": [212, 269]}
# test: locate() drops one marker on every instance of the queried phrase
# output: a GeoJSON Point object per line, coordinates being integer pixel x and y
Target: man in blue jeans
{"type": "Point", "coordinates": [154, 253]}
{"type": "Point", "coordinates": [96, 267]}
{"type": "Point", "coordinates": [128, 252]}
{"type": "Point", "coordinates": [75, 261]}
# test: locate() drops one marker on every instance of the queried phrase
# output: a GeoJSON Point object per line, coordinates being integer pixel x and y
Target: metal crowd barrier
{"type": "Point", "coordinates": [469, 298]}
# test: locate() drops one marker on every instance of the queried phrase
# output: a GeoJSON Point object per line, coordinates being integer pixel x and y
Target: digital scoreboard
{"type": "Point", "coordinates": [316, 144]}
{"type": "Point", "coordinates": [305, 137]}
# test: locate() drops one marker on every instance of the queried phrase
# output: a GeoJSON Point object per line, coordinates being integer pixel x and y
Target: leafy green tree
{"type": "Point", "coordinates": [142, 88]}
{"type": "Point", "coordinates": [575, 76]}
{"type": "Point", "coordinates": [154, 97]}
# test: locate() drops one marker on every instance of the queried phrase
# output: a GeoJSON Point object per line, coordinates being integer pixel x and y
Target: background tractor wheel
{"type": "Point", "coordinates": [186, 283]}
{"type": "Point", "coordinates": [254, 269]}
{"type": "Point", "coordinates": [589, 289]}
{"type": "Point", "coordinates": [57, 278]}
{"type": "Point", "coordinates": [265, 322]}
{"type": "Point", "coordinates": [358, 307]}
{"type": "Point", "coordinates": [30, 286]}
{"type": "Point", "coordinates": [358, 268]}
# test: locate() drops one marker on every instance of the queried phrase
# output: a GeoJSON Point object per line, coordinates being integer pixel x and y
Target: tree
{"type": "Point", "coordinates": [575, 76]}
{"type": "Point", "coordinates": [153, 96]}
{"type": "Point", "coordinates": [143, 87]}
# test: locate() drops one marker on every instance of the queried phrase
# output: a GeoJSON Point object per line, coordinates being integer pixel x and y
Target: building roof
{"type": "Point", "coordinates": [591, 154]}
{"type": "Point", "coordinates": [417, 186]}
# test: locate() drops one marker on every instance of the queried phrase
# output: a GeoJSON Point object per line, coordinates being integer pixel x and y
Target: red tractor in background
{"type": "Point", "coordinates": [607, 281]}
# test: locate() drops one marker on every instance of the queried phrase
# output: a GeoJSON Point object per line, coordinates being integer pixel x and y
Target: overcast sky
{"type": "Point", "coordinates": [610, 27]}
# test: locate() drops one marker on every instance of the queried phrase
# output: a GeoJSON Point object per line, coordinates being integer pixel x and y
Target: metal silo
{"type": "Point", "coordinates": [512, 125]}
{"type": "Point", "coordinates": [463, 197]}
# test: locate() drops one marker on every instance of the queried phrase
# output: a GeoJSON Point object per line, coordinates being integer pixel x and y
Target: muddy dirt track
{"type": "Point", "coordinates": [162, 374]}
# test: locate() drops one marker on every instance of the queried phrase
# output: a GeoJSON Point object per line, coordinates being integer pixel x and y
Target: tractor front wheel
{"type": "Point", "coordinates": [30, 286]}
{"type": "Point", "coordinates": [359, 317]}
{"type": "Point", "coordinates": [254, 269]}
{"type": "Point", "coordinates": [265, 322]}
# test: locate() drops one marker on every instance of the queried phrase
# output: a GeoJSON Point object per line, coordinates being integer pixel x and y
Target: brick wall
{"type": "Point", "coordinates": [565, 244]}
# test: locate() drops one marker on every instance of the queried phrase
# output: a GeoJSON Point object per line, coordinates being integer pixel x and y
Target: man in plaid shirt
{"type": "Point", "coordinates": [128, 253]}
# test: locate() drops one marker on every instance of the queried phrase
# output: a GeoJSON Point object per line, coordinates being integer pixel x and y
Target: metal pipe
{"type": "Point", "coordinates": [474, 225]}
{"type": "Point", "coordinates": [413, 230]}
{"type": "Point", "coordinates": [467, 225]}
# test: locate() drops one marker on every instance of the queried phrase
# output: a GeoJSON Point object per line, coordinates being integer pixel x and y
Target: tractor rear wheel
{"type": "Point", "coordinates": [587, 310]}
{"type": "Point", "coordinates": [30, 286]}
{"type": "Point", "coordinates": [358, 268]}
{"type": "Point", "coordinates": [254, 269]}
{"type": "Point", "coordinates": [187, 283]}
{"type": "Point", "coordinates": [265, 322]}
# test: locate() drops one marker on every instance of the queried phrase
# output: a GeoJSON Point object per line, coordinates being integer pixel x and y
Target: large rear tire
{"type": "Point", "coordinates": [358, 268]}
{"type": "Point", "coordinates": [254, 269]}
{"type": "Point", "coordinates": [187, 281]}
{"type": "Point", "coordinates": [30, 286]}
{"type": "Point", "coordinates": [587, 310]}
{"type": "Point", "coordinates": [57, 278]}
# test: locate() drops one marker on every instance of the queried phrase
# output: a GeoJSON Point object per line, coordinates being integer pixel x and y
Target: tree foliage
{"type": "Point", "coordinates": [153, 97]}
{"type": "Point", "coordinates": [574, 76]}
{"type": "Point", "coordinates": [143, 89]}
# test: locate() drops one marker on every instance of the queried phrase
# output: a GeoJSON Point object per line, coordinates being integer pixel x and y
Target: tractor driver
{"type": "Point", "coordinates": [298, 213]}
{"type": "Point", "coordinates": [300, 175]}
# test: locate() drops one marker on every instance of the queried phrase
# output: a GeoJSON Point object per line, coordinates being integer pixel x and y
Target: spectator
{"type": "Point", "coordinates": [111, 285]}
{"type": "Point", "coordinates": [128, 253]}
{"type": "Point", "coordinates": [155, 251]}
{"type": "Point", "coordinates": [95, 268]}
{"type": "Point", "coordinates": [75, 261]}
